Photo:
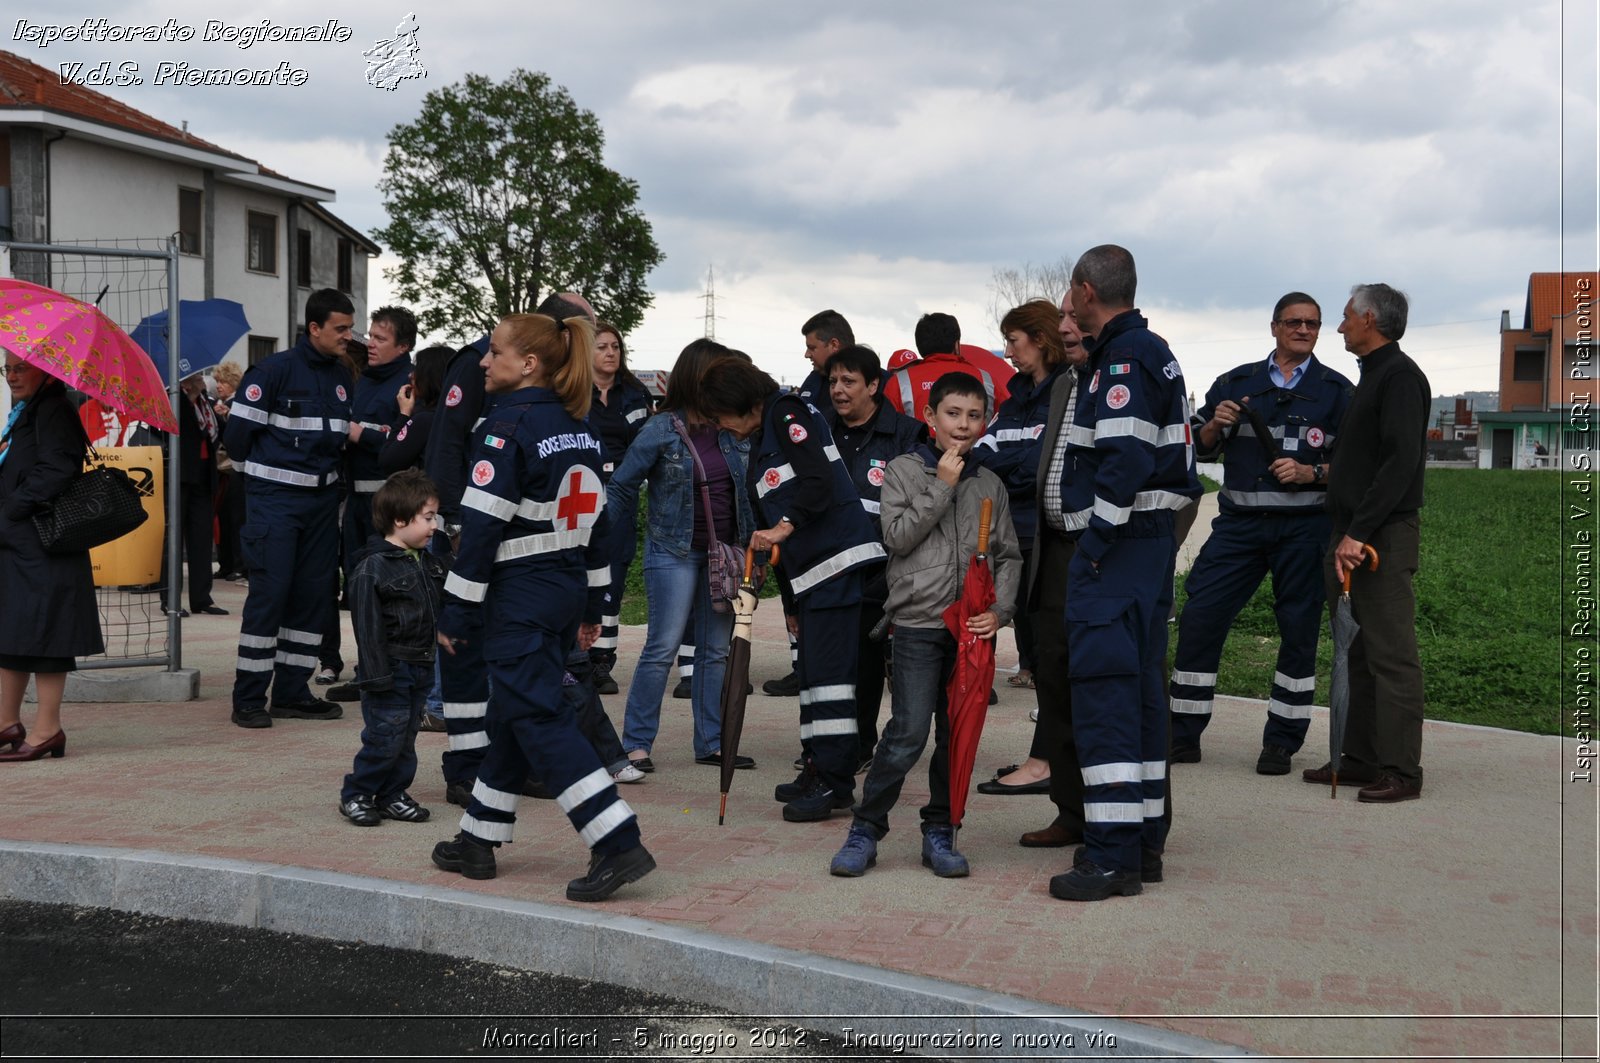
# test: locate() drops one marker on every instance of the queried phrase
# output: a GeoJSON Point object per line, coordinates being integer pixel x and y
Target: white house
{"type": "Point", "coordinates": [78, 166]}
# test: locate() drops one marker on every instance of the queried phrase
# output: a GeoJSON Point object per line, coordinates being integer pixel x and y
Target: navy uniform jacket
{"type": "Point", "coordinates": [533, 514]}
{"type": "Point", "coordinates": [618, 422]}
{"type": "Point", "coordinates": [1304, 421]}
{"type": "Point", "coordinates": [814, 389]}
{"type": "Point", "coordinates": [1013, 444]}
{"type": "Point", "coordinates": [461, 403]}
{"type": "Point", "coordinates": [797, 472]}
{"type": "Point", "coordinates": [1130, 447]}
{"type": "Point", "coordinates": [376, 407]}
{"type": "Point", "coordinates": [867, 451]}
{"type": "Point", "coordinates": [291, 418]}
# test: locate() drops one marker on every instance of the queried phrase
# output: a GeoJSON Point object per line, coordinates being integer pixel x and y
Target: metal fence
{"type": "Point", "coordinates": [128, 280]}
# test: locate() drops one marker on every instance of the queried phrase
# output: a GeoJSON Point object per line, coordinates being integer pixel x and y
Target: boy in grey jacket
{"type": "Point", "coordinates": [930, 505]}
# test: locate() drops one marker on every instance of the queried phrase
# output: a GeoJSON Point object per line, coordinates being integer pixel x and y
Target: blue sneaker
{"type": "Point", "coordinates": [859, 852]}
{"type": "Point", "coordinates": [939, 852]}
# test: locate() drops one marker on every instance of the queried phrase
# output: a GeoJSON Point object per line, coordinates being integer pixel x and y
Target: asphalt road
{"type": "Point", "coordinates": [90, 983]}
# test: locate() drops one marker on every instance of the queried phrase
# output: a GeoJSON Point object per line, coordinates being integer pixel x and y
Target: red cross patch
{"type": "Point", "coordinates": [1094, 382]}
{"type": "Point", "coordinates": [454, 397]}
{"type": "Point", "coordinates": [875, 477]}
{"type": "Point", "coordinates": [401, 438]}
{"type": "Point", "coordinates": [1118, 396]}
{"type": "Point", "coordinates": [253, 393]}
{"type": "Point", "coordinates": [482, 473]}
{"type": "Point", "coordinates": [340, 391]}
{"type": "Point", "coordinates": [773, 478]}
{"type": "Point", "coordinates": [579, 500]}
{"type": "Point", "coordinates": [797, 434]}
{"type": "Point", "coordinates": [1315, 437]}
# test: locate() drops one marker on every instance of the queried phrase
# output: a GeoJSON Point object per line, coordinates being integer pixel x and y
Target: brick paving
{"type": "Point", "coordinates": [1463, 924]}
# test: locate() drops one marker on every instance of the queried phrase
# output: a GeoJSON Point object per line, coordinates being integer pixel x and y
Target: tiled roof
{"type": "Point", "coordinates": [1552, 295]}
{"type": "Point", "coordinates": [25, 84]}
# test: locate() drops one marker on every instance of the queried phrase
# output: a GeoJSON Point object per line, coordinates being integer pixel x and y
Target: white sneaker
{"type": "Point", "coordinates": [628, 774]}
{"type": "Point", "coordinates": [1033, 714]}
{"type": "Point", "coordinates": [325, 676]}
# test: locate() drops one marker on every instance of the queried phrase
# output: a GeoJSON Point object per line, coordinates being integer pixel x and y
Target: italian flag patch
{"type": "Point", "coordinates": [1120, 369]}
{"type": "Point", "coordinates": [494, 441]}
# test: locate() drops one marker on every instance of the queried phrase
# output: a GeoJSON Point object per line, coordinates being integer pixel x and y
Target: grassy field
{"type": "Point", "coordinates": [1487, 619]}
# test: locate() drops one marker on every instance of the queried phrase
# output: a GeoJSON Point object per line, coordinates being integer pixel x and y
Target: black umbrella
{"type": "Point", "coordinates": [736, 680]}
{"type": "Point", "coordinates": [1345, 629]}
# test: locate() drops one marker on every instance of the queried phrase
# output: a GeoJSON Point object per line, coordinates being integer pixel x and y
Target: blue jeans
{"type": "Point", "coordinates": [387, 762]}
{"type": "Point", "coordinates": [923, 660]}
{"type": "Point", "coordinates": [678, 592]}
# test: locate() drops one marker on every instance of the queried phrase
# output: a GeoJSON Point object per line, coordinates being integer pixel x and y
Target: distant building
{"type": "Point", "coordinates": [77, 165]}
{"type": "Point", "coordinates": [1545, 366]}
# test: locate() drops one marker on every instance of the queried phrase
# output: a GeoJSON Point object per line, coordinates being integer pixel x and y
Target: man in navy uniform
{"type": "Point", "coordinates": [1273, 520]}
{"type": "Point", "coordinates": [1132, 467]}
{"type": "Point", "coordinates": [287, 429]}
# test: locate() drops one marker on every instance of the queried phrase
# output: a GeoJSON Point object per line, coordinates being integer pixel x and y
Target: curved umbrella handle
{"type": "Point", "coordinates": [750, 561]}
{"type": "Point", "coordinates": [985, 519]}
{"type": "Point", "coordinates": [1372, 556]}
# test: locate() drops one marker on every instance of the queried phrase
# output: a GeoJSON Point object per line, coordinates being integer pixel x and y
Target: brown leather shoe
{"type": "Point", "coordinates": [1323, 776]}
{"type": "Point", "coordinates": [1388, 789]}
{"type": "Point", "coordinates": [1055, 836]}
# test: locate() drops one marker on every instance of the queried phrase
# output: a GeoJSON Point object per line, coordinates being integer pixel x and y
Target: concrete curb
{"type": "Point", "coordinates": [721, 972]}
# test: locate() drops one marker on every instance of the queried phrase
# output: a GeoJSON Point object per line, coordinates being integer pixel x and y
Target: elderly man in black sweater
{"type": "Point", "coordinates": [1374, 495]}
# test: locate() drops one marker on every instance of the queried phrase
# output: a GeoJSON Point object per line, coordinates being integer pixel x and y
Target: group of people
{"type": "Point", "coordinates": [489, 498]}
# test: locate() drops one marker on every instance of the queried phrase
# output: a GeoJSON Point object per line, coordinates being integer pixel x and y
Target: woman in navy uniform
{"type": "Point", "coordinates": [532, 562]}
{"type": "Point", "coordinates": [617, 413]}
{"type": "Point", "coordinates": [804, 495]}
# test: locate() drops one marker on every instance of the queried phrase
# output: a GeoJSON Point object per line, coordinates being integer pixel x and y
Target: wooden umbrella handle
{"type": "Point", "coordinates": [1372, 556]}
{"type": "Point", "coordinates": [985, 518]}
{"type": "Point", "coordinates": [750, 561]}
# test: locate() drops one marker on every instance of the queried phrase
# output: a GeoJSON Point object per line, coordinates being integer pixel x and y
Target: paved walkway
{"type": "Point", "coordinates": [1460, 925]}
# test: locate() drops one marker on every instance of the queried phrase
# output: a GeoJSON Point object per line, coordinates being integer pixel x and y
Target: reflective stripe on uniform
{"type": "Point", "coordinates": [1191, 706]}
{"type": "Point", "coordinates": [498, 800]}
{"type": "Point", "coordinates": [306, 638]}
{"type": "Point", "coordinates": [247, 413]}
{"type": "Point", "coordinates": [1113, 812]}
{"type": "Point", "coordinates": [254, 664]}
{"type": "Point", "coordinates": [1155, 769]}
{"type": "Point", "coordinates": [366, 487]}
{"type": "Point", "coordinates": [870, 506]}
{"type": "Point", "coordinates": [1136, 427]}
{"type": "Point", "coordinates": [257, 642]}
{"type": "Point", "coordinates": [600, 577]}
{"type": "Point", "coordinates": [482, 501]}
{"type": "Point", "coordinates": [1287, 711]}
{"type": "Point", "coordinates": [1111, 514]}
{"type": "Point", "coordinates": [469, 740]}
{"type": "Point", "coordinates": [1295, 686]}
{"type": "Point", "coordinates": [295, 660]}
{"type": "Point", "coordinates": [487, 829]}
{"type": "Point", "coordinates": [636, 416]}
{"type": "Point", "coordinates": [843, 560]}
{"type": "Point", "coordinates": [837, 692]}
{"type": "Point", "coordinates": [1110, 774]}
{"type": "Point", "coordinates": [591, 785]}
{"type": "Point", "coordinates": [1195, 679]}
{"type": "Point", "coordinates": [543, 543]}
{"type": "Point", "coordinates": [846, 726]}
{"type": "Point", "coordinates": [785, 474]}
{"type": "Point", "coordinates": [614, 816]}
{"type": "Point", "coordinates": [286, 476]}
{"type": "Point", "coordinates": [465, 589]}
{"type": "Point", "coordinates": [1275, 499]}
{"type": "Point", "coordinates": [465, 710]}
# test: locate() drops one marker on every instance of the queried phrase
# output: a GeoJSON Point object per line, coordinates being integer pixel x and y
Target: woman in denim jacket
{"type": "Point", "coordinates": [675, 575]}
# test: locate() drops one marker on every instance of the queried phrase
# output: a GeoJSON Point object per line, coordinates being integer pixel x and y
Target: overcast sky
{"type": "Point", "coordinates": [883, 158]}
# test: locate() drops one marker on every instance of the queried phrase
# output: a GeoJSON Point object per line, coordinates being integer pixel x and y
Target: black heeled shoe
{"type": "Point", "coordinates": [54, 746]}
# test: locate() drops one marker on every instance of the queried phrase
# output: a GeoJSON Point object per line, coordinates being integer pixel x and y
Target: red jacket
{"type": "Point", "coordinates": [908, 388]}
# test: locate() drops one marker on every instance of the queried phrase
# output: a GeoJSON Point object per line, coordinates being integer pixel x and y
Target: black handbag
{"type": "Point", "coordinates": [100, 505]}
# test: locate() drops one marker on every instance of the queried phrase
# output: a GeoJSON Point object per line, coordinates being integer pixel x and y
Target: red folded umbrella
{"type": "Point", "coordinates": [973, 675]}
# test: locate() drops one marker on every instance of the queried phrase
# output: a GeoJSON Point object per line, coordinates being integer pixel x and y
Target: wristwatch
{"type": "Point", "coordinates": [1316, 473]}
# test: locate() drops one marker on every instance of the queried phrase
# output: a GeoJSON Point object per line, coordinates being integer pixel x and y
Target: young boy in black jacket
{"type": "Point", "coordinates": [394, 604]}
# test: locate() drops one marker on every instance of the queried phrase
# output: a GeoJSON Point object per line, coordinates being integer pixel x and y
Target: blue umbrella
{"type": "Point", "coordinates": [209, 328]}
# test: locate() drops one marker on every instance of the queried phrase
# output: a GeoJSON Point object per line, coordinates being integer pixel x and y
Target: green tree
{"type": "Point", "coordinates": [497, 196]}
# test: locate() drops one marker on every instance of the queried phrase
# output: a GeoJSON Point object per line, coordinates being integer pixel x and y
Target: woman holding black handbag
{"type": "Point", "coordinates": [695, 501]}
{"type": "Point", "coordinates": [50, 615]}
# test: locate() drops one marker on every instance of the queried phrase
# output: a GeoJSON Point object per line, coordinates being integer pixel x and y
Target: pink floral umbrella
{"type": "Point", "coordinates": [75, 342]}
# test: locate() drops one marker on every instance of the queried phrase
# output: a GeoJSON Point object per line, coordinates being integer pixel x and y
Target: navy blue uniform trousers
{"type": "Point", "coordinates": [464, 689]}
{"type": "Point", "coordinates": [290, 545]}
{"type": "Point", "coordinates": [827, 670]}
{"type": "Point", "coordinates": [1117, 648]}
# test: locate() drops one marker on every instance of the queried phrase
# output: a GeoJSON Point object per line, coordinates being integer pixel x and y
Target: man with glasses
{"type": "Point", "coordinates": [1272, 422]}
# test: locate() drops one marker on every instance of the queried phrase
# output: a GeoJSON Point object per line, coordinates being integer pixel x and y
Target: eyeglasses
{"type": "Point", "coordinates": [17, 370]}
{"type": "Point", "coordinates": [1295, 324]}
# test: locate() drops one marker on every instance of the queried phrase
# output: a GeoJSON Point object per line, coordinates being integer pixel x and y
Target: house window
{"type": "Point", "coordinates": [189, 220]}
{"type": "Point", "coordinates": [261, 254]}
{"type": "Point", "coordinates": [262, 347]}
{"type": "Point", "coordinates": [1529, 365]}
{"type": "Point", "coordinates": [345, 251]}
{"type": "Point", "coordinates": [302, 257]}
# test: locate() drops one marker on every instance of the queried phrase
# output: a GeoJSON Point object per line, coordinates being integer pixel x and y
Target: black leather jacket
{"type": "Point", "coordinates": [394, 605]}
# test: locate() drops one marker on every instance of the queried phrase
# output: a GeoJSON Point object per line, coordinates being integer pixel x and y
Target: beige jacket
{"type": "Point", "coordinates": [931, 531]}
